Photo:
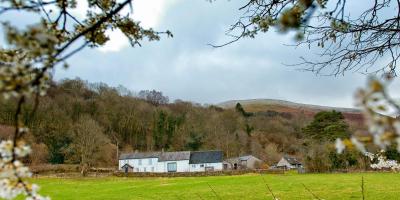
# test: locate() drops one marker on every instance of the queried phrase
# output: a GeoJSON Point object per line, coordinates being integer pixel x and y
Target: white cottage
{"type": "Point", "coordinates": [288, 162]}
{"type": "Point", "coordinates": [181, 161]}
{"type": "Point", "coordinates": [201, 161]}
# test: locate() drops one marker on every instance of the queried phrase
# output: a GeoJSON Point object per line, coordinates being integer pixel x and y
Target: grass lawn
{"type": "Point", "coordinates": [288, 186]}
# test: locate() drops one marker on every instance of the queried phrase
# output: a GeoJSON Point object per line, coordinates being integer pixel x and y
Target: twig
{"type": "Point", "coordinates": [93, 27]}
{"type": "Point", "coordinates": [308, 190]}
{"type": "Point", "coordinates": [269, 189]}
{"type": "Point", "coordinates": [214, 191]}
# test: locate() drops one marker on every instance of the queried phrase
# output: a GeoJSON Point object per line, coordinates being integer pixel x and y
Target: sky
{"type": "Point", "coordinates": [185, 67]}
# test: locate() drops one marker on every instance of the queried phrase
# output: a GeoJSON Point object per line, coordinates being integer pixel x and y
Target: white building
{"type": "Point", "coordinates": [201, 161]}
{"type": "Point", "coordinates": [181, 161]}
{"type": "Point", "coordinates": [289, 163]}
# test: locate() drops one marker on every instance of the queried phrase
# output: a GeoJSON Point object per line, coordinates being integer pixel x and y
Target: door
{"type": "Point", "coordinates": [171, 167]}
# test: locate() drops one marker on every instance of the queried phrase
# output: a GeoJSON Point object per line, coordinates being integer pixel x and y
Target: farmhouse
{"type": "Point", "coordinates": [288, 162]}
{"type": "Point", "coordinates": [179, 161]}
{"type": "Point", "coordinates": [243, 162]}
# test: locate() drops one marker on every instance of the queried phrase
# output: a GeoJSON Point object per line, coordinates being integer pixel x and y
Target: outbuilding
{"type": "Point", "coordinates": [288, 162]}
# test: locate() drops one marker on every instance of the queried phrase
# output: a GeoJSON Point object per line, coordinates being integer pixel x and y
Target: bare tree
{"type": "Point", "coordinates": [349, 42]}
{"type": "Point", "coordinates": [154, 97]}
{"type": "Point", "coordinates": [87, 143]}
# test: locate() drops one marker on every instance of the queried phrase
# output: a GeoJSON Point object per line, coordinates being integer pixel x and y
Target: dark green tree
{"type": "Point", "coordinates": [195, 141]}
{"type": "Point", "coordinates": [391, 153]}
{"type": "Point", "coordinates": [160, 130]}
{"type": "Point", "coordinates": [239, 108]}
{"type": "Point", "coordinates": [327, 126]}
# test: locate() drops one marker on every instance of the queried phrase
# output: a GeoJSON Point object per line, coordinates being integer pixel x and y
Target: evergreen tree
{"type": "Point", "coordinates": [327, 126]}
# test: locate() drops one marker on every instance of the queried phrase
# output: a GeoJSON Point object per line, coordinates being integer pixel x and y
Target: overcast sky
{"type": "Point", "coordinates": [185, 67]}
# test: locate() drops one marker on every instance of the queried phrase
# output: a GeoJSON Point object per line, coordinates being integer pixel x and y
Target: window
{"type": "Point", "coordinates": [137, 169]}
{"type": "Point", "coordinates": [140, 162]}
{"type": "Point", "coordinates": [193, 166]}
{"type": "Point", "coordinates": [171, 167]}
{"type": "Point", "coordinates": [150, 161]}
{"type": "Point", "coordinates": [144, 169]}
{"type": "Point", "coordinates": [152, 169]}
{"type": "Point", "coordinates": [202, 165]}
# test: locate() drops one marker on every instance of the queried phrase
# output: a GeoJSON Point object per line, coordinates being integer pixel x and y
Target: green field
{"type": "Point", "coordinates": [285, 186]}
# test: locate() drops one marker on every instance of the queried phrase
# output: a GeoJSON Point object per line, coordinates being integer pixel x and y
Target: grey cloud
{"type": "Point", "coordinates": [184, 67]}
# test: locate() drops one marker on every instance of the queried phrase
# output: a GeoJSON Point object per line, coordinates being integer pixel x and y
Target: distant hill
{"type": "Point", "coordinates": [308, 110]}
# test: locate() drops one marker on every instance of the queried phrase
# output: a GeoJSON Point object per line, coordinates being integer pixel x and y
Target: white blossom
{"type": "Point", "coordinates": [13, 172]}
{"type": "Point", "coordinates": [339, 146]}
{"type": "Point", "coordinates": [358, 145]}
{"type": "Point", "coordinates": [381, 162]}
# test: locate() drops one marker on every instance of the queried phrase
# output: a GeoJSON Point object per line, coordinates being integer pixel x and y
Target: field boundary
{"type": "Point", "coordinates": [196, 174]}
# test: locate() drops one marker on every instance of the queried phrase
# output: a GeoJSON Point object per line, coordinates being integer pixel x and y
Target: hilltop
{"type": "Point", "coordinates": [307, 110]}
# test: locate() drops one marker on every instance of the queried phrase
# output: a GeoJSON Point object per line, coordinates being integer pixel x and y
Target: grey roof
{"type": "Point", "coordinates": [198, 157]}
{"type": "Point", "coordinates": [162, 156]}
{"type": "Point", "coordinates": [292, 160]}
{"type": "Point", "coordinates": [238, 159]}
{"type": "Point", "coordinates": [138, 155]}
{"type": "Point", "coordinates": [247, 157]}
{"type": "Point", "coordinates": [174, 156]}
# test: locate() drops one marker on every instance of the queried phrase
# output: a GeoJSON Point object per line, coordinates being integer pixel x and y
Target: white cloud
{"type": "Point", "coordinates": [148, 12]}
{"type": "Point", "coordinates": [117, 42]}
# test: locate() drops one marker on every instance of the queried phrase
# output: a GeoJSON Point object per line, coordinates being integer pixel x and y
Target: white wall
{"type": "Point", "coordinates": [181, 166]}
{"type": "Point", "coordinates": [284, 163]}
{"type": "Point", "coordinates": [145, 165]}
{"type": "Point", "coordinates": [202, 167]}
{"type": "Point", "coordinates": [162, 167]}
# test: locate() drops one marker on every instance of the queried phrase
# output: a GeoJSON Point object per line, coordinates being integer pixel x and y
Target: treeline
{"type": "Point", "coordinates": [84, 123]}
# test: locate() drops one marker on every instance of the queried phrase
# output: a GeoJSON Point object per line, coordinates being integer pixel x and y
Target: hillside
{"type": "Point", "coordinates": [76, 112]}
{"type": "Point", "coordinates": [262, 105]}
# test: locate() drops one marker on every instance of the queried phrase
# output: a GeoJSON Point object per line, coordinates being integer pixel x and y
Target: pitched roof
{"type": "Point", "coordinates": [193, 157]}
{"type": "Point", "coordinates": [292, 160]}
{"type": "Point", "coordinates": [138, 155]}
{"type": "Point", "coordinates": [241, 158]}
{"type": "Point", "coordinates": [174, 156]}
{"type": "Point", "coordinates": [127, 165]}
{"type": "Point", "coordinates": [247, 157]}
{"type": "Point", "coordinates": [162, 156]}
{"type": "Point", "coordinates": [198, 157]}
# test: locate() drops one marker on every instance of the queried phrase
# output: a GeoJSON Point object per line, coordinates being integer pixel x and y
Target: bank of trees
{"type": "Point", "coordinates": [84, 123]}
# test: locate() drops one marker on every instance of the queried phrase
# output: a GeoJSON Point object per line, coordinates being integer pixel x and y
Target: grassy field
{"type": "Point", "coordinates": [288, 186]}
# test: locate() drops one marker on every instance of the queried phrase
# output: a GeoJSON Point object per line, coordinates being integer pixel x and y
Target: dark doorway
{"type": "Point", "coordinates": [225, 166]}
